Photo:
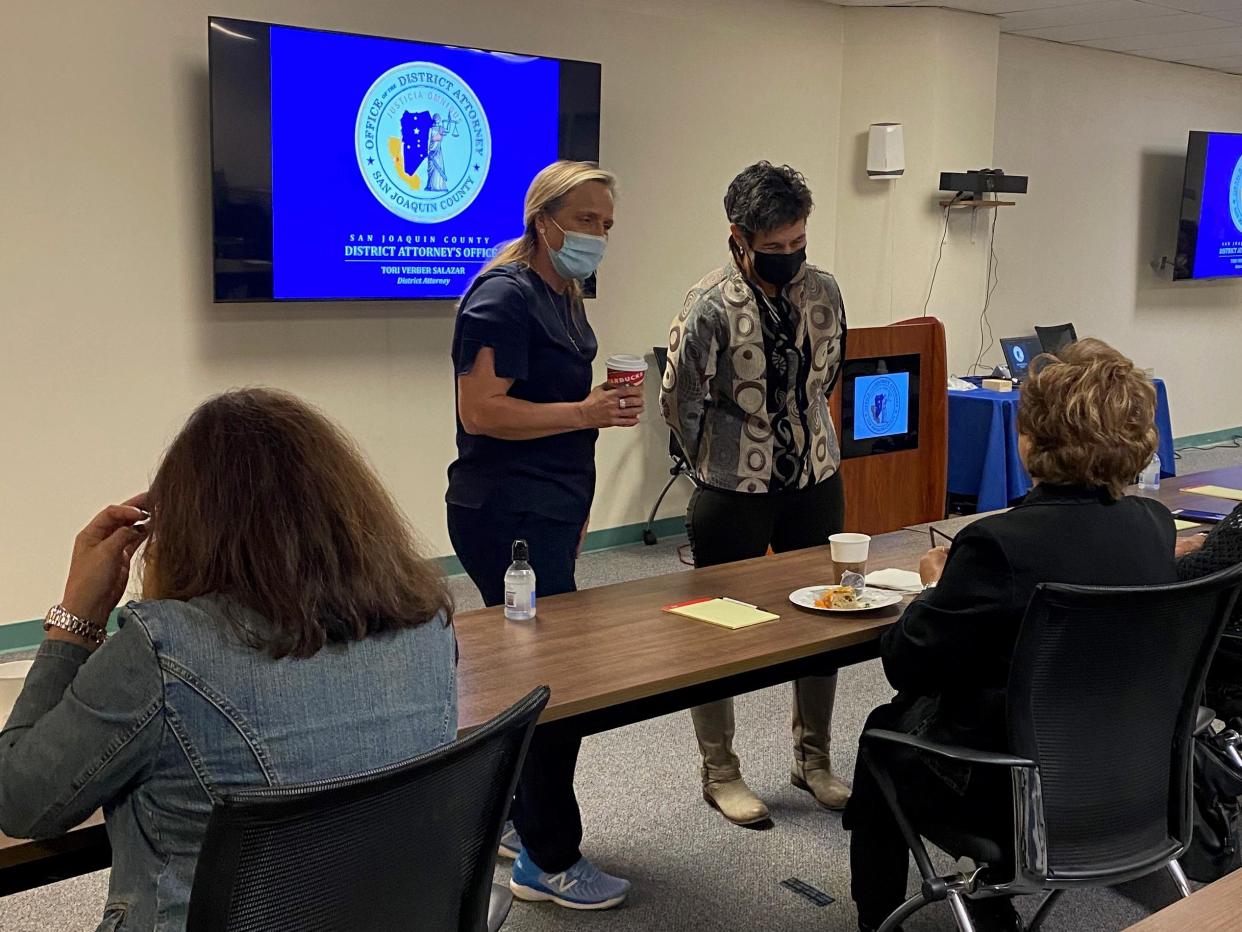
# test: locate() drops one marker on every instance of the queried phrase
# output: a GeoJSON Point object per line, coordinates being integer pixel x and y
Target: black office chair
{"type": "Point", "coordinates": [681, 462]}
{"type": "Point", "coordinates": [1054, 339]}
{"type": "Point", "coordinates": [1102, 706]}
{"type": "Point", "coordinates": [405, 847]}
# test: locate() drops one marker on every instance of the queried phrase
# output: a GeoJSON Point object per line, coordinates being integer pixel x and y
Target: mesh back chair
{"type": "Point", "coordinates": [407, 847]}
{"type": "Point", "coordinates": [1102, 704]}
{"type": "Point", "coordinates": [681, 462]}
{"type": "Point", "coordinates": [1056, 338]}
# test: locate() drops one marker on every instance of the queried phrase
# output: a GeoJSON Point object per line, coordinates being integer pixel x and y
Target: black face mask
{"type": "Point", "coordinates": [778, 268]}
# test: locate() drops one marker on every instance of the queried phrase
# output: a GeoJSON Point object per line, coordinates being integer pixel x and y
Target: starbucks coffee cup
{"type": "Point", "coordinates": [624, 369]}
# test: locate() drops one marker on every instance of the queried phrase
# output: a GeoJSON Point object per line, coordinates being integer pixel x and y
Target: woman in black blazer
{"type": "Point", "coordinates": [1086, 429]}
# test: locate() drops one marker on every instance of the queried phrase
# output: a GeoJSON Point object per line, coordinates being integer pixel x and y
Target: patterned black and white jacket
{"type": "Point", "coordinates": [715, 393]}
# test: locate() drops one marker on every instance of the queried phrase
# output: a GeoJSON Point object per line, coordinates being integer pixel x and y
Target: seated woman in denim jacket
{"type": "Point", "coordinates": [289, 631]}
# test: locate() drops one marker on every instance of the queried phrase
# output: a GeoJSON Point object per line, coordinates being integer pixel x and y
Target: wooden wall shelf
{"type": "Point", "coordinates": [977, 205]}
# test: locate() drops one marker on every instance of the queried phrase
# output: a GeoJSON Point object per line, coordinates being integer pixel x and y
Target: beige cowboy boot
{"type": "Point", "coordinates": [723, 786]}
{"type": "Point", "coordinates": [813, 698]}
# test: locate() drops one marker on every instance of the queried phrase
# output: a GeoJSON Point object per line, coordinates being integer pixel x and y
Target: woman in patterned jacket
{"type": "Point", "coordinates": [753, 356]}
{"type": "Point", "coordinates": [1199, 556]}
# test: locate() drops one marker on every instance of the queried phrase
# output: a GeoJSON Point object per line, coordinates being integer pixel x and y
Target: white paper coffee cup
{"type": "Point", "coordinates": [849, 548]}
{"type": "Point", "coordinates": [624, 369]}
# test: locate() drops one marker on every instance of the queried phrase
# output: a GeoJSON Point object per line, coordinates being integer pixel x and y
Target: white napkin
{"type": "Point", "coordinates": [897, 580]}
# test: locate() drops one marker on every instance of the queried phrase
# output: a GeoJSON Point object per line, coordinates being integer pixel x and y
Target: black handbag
{"type": "Point", "coordinates": [1216, 847]}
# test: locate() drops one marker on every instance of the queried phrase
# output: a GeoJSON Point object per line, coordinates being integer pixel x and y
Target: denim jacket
{"type": "Point", "coordinates": [174, 711]}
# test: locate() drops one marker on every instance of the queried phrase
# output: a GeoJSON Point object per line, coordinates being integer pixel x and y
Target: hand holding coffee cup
{"type": "Point", "coordinates": [849, 554]}
{"type": "Point", "coordinates": [619, 401]}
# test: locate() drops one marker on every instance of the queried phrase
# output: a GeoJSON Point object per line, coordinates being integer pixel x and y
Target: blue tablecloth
{"type": "Point", "coordinates": [983, 445]}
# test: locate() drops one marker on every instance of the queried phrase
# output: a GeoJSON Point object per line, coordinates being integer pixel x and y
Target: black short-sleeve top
{"type": "Point", "coordinates": [547, 350]}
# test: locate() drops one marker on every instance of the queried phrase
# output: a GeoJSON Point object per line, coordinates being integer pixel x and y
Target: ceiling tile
{"type": "Point", "coordinates": [1148, 26]}
{"type": "Point", "coordinates": [1199, 6]}
{"type": "Point", "coordinates": [1099, 12]}
{"type": "Point", "coordinates": [1201, 33]}
{"type": "Point", "coordinates": [1191, 53]}
{"type": "Point", "coordinates": [1224, 32]}
{"type": "Point", "coordinates": [997, 7]}
{"type": "Point", "coordinates": [1231, 63]}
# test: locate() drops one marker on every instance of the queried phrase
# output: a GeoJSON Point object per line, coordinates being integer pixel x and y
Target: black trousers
{"type": "Point", "coordinates": [726, 526]}
{"type": "Point", "coordinates": [879, 857]}
{"type": "Point", "coordinates": [545, 810]}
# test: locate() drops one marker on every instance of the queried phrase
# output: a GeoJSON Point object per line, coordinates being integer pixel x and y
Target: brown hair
{"type": "Point", "coordinates": [263, 499]}
{"type": "Point", "coordinates": [1089, 418]}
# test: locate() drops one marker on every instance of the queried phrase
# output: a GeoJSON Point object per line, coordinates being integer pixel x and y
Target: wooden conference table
{"type": "Point", "coordinates": [612, 657]}
{"type": "Point", "coordinates": [1214, 908]}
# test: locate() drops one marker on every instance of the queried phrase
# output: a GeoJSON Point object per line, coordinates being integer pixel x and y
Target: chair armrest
{"type": "Point", "coordinates": [500, 900]}
{"type": "Point", "coordinates": [951, 751]}
{"type": "Point", "coordinates": [1204, 719]}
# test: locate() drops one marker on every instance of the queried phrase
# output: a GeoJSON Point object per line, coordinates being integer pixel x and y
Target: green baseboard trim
{"type": "Point", "coordinates": [26, 635]}
{"type": "Point", "coordinates": [450, 566]}
{"type": "Point", "coordinates": [1206, 440]}
{"type": "Point", "coordinates": [603, 539]}
{"type": "Point", "coordinates": [20, 635]}
{"type": "Point", "coordinates": [624, 536]}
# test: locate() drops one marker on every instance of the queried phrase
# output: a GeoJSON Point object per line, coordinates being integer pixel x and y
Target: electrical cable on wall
{"type": "Point", "coordinates": [984, 320]}
{"type": "Point", "coordinates": [940, 254]}
{"type": "Point", "coordinates": [891, 236]}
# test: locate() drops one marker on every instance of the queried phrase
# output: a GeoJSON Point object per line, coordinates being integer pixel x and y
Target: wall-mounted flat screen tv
{"type": "Point", "coordinates": [1209, 234]}
{"type": "Point", "coordinates": [350, 167]}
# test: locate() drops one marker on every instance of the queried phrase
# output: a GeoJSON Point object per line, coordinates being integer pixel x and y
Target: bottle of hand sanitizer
{"type": "Point", "coordinates": [1149, 478]}
{"type": "Point", "coordinates": [520, 585]}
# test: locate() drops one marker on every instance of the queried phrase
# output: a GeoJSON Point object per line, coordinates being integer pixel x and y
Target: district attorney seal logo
{"type": "Point", "coordinates": [1235, 195]}
{"type": "Point", "coordinates": [423, 142]}
{"type": "Point", "coordinates": [881, 409]}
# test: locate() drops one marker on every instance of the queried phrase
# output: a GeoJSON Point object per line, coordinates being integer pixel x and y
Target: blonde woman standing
{"type": "Point", "coordinates": [527, 422]}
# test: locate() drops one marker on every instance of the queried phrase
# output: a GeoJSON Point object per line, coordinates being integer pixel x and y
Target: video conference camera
{"type": "Point", "coordinates": [973, 185]}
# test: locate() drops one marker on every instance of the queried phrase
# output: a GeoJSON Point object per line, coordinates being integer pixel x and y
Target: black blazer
{"type": "Point", "coordinates": [955, 641]}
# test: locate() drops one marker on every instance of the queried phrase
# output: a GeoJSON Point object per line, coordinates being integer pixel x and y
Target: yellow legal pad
{"type": "Point", "coordinates": [722, 612]}
{"type": "Point", "coordinates": [1183, 525]}
{"type": "Point", "coordinates": [1216, 491]}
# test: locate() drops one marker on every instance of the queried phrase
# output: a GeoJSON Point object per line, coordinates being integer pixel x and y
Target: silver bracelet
{"type": "Point", "coordinates": [59, 617]}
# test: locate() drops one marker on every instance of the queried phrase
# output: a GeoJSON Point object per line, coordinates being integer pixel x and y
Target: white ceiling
{"type": "Point", "coordinates": [1203, 33]}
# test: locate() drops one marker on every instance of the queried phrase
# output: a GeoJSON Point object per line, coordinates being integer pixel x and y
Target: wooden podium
{"type": "Point", "coordinates": [887, 491]}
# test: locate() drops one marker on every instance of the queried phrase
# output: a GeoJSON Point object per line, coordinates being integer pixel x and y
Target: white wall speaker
{"type": "Point", "coordinates": [886, 152]}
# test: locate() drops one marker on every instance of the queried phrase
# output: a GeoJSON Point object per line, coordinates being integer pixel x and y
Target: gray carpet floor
{"type": "Point", "coordinates": [645, 819]}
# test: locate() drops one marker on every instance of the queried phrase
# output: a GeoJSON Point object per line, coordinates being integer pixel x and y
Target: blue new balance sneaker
{"type": "Point", "coordinates": [510, 842]}
{"type": "Point", "coordinates": [583, 886]}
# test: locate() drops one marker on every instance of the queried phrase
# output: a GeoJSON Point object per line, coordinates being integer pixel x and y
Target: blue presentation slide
{"type": "Point", "coordinates": [1218, 248]}
{"type": "Point", "coordinates": [881, 405]}
{"type": "Point", "coordinates": [398, 168]}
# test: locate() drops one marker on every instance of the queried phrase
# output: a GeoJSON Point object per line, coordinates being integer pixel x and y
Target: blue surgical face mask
{"type": "Point", "coordinates": [579, 255]}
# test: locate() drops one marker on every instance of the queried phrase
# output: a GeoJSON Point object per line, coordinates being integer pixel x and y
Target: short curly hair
{"type": "Point", "coordinates": [1088, 416]}
{"type": "Point", "coordinates": [766, 197]}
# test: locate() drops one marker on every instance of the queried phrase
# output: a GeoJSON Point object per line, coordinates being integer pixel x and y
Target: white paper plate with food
{"type": "Point", "coordinates": [843, 599]}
